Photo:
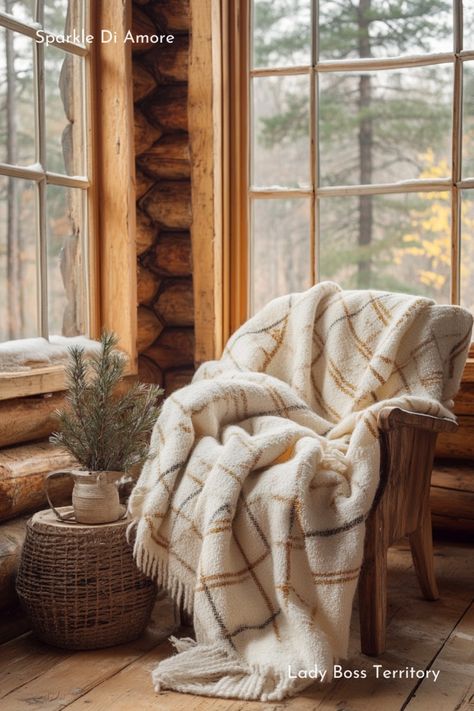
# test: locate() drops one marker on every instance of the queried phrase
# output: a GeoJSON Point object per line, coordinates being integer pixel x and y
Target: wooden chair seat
{"type": "Point", "coordinates": [401, 508]}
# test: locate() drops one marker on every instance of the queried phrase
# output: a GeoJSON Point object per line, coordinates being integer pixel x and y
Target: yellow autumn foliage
{"type": "Point", "coordinates": [427, 244]}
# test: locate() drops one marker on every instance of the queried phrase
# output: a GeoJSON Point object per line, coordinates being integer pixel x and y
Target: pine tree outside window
{"type": "Point", "coordinates": [352, 148]}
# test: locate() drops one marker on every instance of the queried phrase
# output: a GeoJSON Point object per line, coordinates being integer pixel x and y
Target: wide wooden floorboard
{"type": "Point", "coordinates": [22, 660]}
{"type": "Point", "coordinates": [437, 635]}
{"type": "Point", "coordinates": [73, 675]}
{"type": "Point", "coordinates": [455, 662]}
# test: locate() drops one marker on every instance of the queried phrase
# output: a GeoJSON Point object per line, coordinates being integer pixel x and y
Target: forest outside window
{"type": "Point", "coordinates": [354, 146]}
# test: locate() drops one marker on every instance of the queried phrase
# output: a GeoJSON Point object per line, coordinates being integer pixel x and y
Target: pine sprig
{"type": "Point", "coordinates": [105, 431]}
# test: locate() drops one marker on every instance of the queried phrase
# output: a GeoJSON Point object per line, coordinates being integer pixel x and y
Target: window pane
{"type": "Point", "coordinates": [21, 9]}
{"type": "Point", "coordinates": [63, 16]}
{"type": "Point", "coordinates": [467, 250]}
{"type": "Point", "coordinates": [468, 121]}
{"type": "Point", "coordinates": [385, 126]}
{"type": "Point", "coordinates": [388, 242]}
{"type": "Point", "coordinates": [17, 99]}
{"type": "Point", "coordinates": [468, 22]}
{"type": "Point", "coordinates": [66, 289]}
{"type": "Point", "coordinates": [64, 112]}
{"type": "Point", "coordinates": [280, 249]}
{"type": "Point", "coordinates": [280, 131]}
{"type": "Point", "coordinates": [281, 33]}
{"type": "Point", "coordinates": [18, 284]}
{"type": "Point", "coordinates": [384, 29]}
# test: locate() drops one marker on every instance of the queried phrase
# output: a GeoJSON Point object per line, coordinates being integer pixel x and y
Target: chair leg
{"type": "Point", "coordinates": [421, 544]}
{"type": "Point", "coordinates": [373, 588]}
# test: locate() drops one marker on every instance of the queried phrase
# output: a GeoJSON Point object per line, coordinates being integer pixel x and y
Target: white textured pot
{"type": "Point", "coordinates": [95, 497]}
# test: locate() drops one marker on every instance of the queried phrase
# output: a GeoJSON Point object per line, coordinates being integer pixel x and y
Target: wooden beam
{"type": "Point", "coordinates": [237, 292]}
{"type": "Point", "coordinates": [172, 255]}
{"type": "Point", "coordinates": [173, 349]}
{"type": "Point", "coordinates": [459, 444]}
{"type": "Point", "coordinates": [169, 204]}
{"type": "Point", "coordinates": [23, 470]}
{"type": "Point", "coordinates": [117, 178]}
{"type": "Point", "coordinates": [175, 303]}
{"type": "Point", "coordinates": [468, 374]}
{"type": "Point", "coordinates": [167, 159]}
{"type": "Point", "coordinates": [149, 328]}
{"type": "Point", "coordinates": [452, 503]}
{"type": "Point", "coordinates": [205, 128]}
{"type": "Point", "coordinates": [454, 524]}
{"type": "Point", "coordinates": [450, 474]}
{"type": "Point", "coordinates": [25, 419]}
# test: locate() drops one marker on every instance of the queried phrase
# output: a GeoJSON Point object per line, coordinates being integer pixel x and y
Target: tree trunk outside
{"type": "Point", "coordinates": [365, 148]}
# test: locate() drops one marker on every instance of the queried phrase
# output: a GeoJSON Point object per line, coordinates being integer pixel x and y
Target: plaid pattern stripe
{"type": "Point", "coordinates": [251, 508]}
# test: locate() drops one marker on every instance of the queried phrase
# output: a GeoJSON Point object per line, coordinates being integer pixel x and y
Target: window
{"type": "Point", "coordinates": [67, 268]}
{"type": "Point", "coordinates": [352, 148]}
{"type": "Point", "coordinates": [45, 171]}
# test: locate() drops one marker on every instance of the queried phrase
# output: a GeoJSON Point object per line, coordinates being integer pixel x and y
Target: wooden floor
{"type": "Point", "coordinates": [425, 635]}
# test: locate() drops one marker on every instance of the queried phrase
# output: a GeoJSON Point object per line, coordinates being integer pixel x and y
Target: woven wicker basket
{"type": "Point", "coordinates": [79, 584]}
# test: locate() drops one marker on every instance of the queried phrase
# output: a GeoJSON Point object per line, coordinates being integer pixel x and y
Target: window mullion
{"type": "Point", "coordinates": [456, 154]}
{"type": "Point", "coordinates": [41, 224]}
{"type": "Point", "coordinates": [314, 154]}
{"type": "Point", "coordinates": [31, 31]}
{"type": "Point", "coordinates": [333, 66]}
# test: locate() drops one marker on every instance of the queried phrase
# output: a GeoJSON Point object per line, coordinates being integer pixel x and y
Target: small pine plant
{"type": "Point", "coordinates": [103, 430]}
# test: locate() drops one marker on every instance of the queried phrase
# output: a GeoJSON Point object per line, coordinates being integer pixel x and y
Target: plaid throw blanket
{"type": "Point", "coordinates": [251, 508]}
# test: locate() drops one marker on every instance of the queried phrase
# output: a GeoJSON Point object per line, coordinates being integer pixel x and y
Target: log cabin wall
{"type": "Point", "coordinates": [165, 338]}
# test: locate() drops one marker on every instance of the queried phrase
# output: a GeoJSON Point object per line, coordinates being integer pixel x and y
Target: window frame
{"type": "Point", "coordinates": [110, 261]}
{"type": "Point", "coordinates": [241, 73]}
{"type": "Point", "coordinates": [208, 119]}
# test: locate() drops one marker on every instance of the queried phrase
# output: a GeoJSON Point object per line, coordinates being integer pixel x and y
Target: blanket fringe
{"type": "Point", "coordinates": [129, 531]}
{"type": "Point", "coordinates": [157, 569]}
{"type": "Point", "coordinates": [213, 670]}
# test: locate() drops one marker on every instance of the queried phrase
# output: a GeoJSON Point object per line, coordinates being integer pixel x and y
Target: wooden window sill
{"type": "Point", "coordinates": [39, 381]}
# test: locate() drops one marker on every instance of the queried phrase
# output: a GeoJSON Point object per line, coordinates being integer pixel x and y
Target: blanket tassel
{"type": "Point", "coordinates": [211, 670]}
{"type": "Point", "coordinates": [157, 569]}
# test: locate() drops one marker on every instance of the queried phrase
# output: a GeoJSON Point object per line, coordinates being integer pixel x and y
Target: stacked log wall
{"type": "Point", "coordinates": [165, 339]}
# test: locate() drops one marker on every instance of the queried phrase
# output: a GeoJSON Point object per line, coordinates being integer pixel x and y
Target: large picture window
{"type": "Point", "coordinates": [352, 148]}
{"type": "Point", "coordinates": [45, 170]}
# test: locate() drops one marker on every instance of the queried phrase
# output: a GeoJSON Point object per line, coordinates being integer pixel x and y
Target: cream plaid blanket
{"type": "Point", "coordinates": [251, 509]}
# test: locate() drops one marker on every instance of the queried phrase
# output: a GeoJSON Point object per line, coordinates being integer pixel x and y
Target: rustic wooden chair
{"type": "Point", "coordinates": [401, 508]}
